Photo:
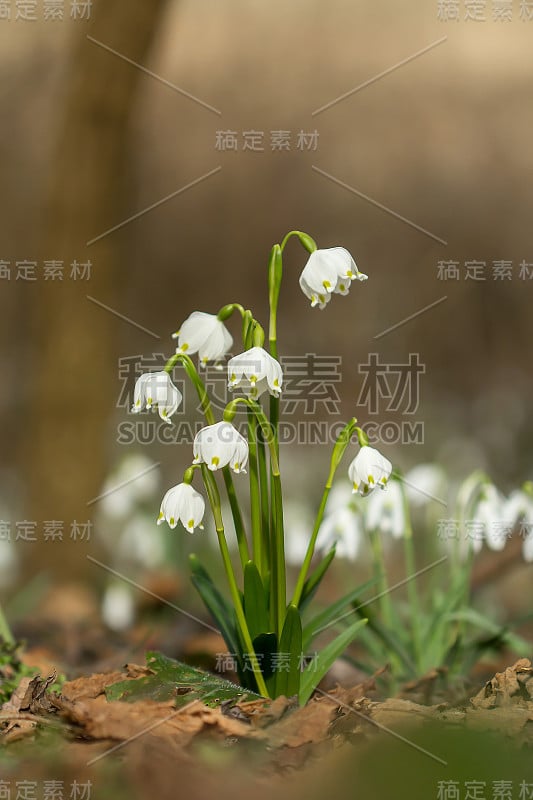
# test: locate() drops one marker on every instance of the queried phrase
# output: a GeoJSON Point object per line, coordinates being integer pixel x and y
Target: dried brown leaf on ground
{"type": "Point", "coordinates": [512, 687]}
{"type": "Point", "coordinates": [97, 718]}
{"type": "Point", "coordinates": [95, 685]}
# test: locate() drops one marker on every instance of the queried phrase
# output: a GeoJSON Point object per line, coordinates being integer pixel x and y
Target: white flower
{"type": "Point", "coordinates": [489, 520]}
{"type": "Point", "coordinates": [138, 545]}
{"type": "Point", "coordinates": [327, 272]}
{"type": "Point", "coordinates": [385, 511]}
{"type": "Point", "coordinates": [156, 389]}
{"type": "Point", "coordinates": [368, 470]}
{"type": "Point", "coordinates": [342, 527]}
{"type": "Point", "coordinates": [255, 371]}
{"type": "Point", "coordinates": [118, 607]}
{"type": "Point", "coordinates": [298, 525]}
{"type": "Point", "coordinates": [219, 445]}
{"type": "Point", "coordinates": [204, 334]}
{"type": "Point", "coordinates": [519, 509]}
{"type": "Point", "coordinates": [185, 504]}
{"type": "Point", "coordinates": [424, 483]}
{"type": "Point", "coordinates": [135, 480]}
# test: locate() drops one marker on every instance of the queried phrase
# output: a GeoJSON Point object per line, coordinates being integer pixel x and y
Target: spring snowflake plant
{"type": "Point", "coordinates": [267, 631]}
{"type": "Point", "coordinates": [432, 630]}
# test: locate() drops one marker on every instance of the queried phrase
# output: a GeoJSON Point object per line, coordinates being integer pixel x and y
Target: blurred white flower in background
{"type": "Point", "coordinates": [298, 521]}
{"type": "Point", "coordinates": [135, 481]}
{"type": "Point", "coordinates": [490, 516]}
{"type": "Point", "coordinates": [342, 524]}
{"type": "Point", "coordinates": [519, 509]}
{"type": "Point", "coordinates": [385, 512]}
{"type": "Point", "coordinates": [125, 525]}
{"type": "Point", "coordinates": [137, 543]}
{"type": "Point", "coordinates": [342, 528]}
{"type": "Point", "coordinates": [118, 607]}
{"type": "Point", "coordinates": [424, 483]}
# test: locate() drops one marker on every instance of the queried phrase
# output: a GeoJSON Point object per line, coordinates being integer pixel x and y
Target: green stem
{"type": "Point", "coordinates": [280, 583]}
{"type": "Point", "coordinates": [5, 630]}
{"type": "Point", "coordinates": [381, 578]}
{"type": "Point", "coordinates": [240, 532]}
{"type": "Point", "coordinates": [300, 583]}
{"type": "Point", "coordinates": [255, 497]}
{"type": "Point", "coordinates": [278, 571]}
{"type": "Point", "coordinates": [412, 589]}
{"type": "Point", "coordinates": [339, 449]}
{"type": "Point", "coordinates": [214, 500]}
{"type": "Point", "coordinates": [265, 504]}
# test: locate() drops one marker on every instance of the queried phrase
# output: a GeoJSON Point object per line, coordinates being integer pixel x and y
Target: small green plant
{"type": "Point", "coordinates": [267, 631]}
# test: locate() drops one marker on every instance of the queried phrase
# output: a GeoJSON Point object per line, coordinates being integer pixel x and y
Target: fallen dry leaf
{"type": "Point", "coordinates": [512, 687]}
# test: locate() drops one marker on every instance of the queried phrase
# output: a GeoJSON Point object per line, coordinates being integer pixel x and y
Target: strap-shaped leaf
{"type": "Point", "coordinates": [314, 580]}
{"type": "Point", "coordinates": [289, 654]}
{"type": "Point", "coordinates": [389, 638]}
{"type": "Point", "coordinates": [331, 614]}
{"type": "Point", "coordinates": [266, 647]}
{"type": "Point", "coordinates": [315, 671]}
{"type": "Point", "coordinates": [218, 607]}
{"type": "Point", "coordinates": [255, 606]}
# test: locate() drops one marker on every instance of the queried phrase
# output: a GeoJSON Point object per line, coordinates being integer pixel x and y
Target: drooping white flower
{"type": "Point", "coordinates": [329, 271]}
{"type": "Point", "coordinates": [155, 389]}
{"type": "Point", "coordinates": [184, 504]}
{"type": "Point", "coordinates": [385, 511]}
{"type": "Point", "coordinates": [204, 334]}
{"type": "Point", "coordinates": [255, 371]}
{"type": "Point", "coordinates": [219, 445]}
{"type": "Point", "coordinates": [368, 470]}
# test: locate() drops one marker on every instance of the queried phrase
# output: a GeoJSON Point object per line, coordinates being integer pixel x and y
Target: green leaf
{"type": "Point", "coordinates": [314, 580]}
{"type": "Point", "coordinates": [499, 632]}
{"type": "Point", "coordinates": [288, 680]}
{"type": "Point", "coordinates": [265, 646]}
{"type": "Point", "coordinates": [173, 680]}
{"type": "Point", "coordinates": [441, 634]}
{"type": "Point", "coordinates": [315, 671]}
{"type": "Point", "coordinates": [389, 638]}
{"type": "Point", "coordinates": [332, 613]}
{"type": "Point", "coordinates": [219, 608]}
{"type": "Point", "coordinates": [255, 606]}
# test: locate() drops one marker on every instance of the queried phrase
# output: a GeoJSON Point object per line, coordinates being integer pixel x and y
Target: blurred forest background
{"type": "Point", "coordinates": [90, 140]}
